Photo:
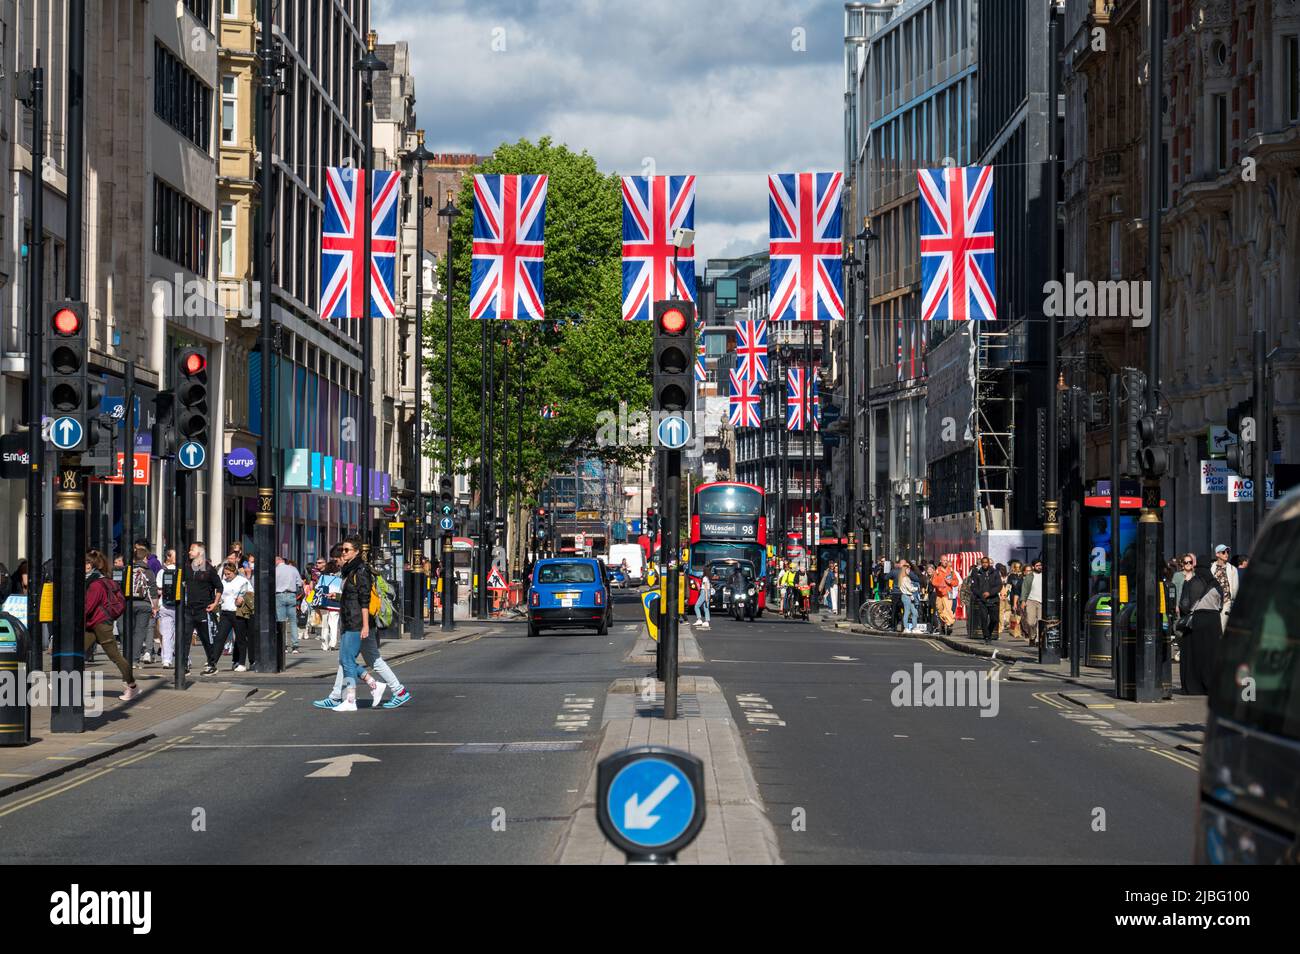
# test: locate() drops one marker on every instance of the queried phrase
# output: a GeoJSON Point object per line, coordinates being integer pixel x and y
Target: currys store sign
{"type": "Point", "coordinates": [241, 462]}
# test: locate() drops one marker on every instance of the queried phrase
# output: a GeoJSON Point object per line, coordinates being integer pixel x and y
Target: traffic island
{"type": "Point", "coordinates": [736, 827]}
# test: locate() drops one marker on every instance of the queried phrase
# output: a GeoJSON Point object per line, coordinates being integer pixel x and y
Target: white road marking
{"type": "Point", "coordinates": [575, 713]}
{"type": "Point", "coordinates": [337, 766]}
{"type": "Point", "coordinates": [758, 711]}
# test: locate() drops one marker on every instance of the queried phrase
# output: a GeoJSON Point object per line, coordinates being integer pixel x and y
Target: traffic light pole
{"type": "Point", "coordinates": [1263, 431]}
{"type": "Point", "coordinates": [1049, 646]}
{"type": "Point", "coordinates": [264, 528]}
{"type": "Point", "coordinates": [1150, 531]}
{"type": "Point", "coordinates": [35, 370]}
{"type": "Point", "coordinates": [669, 552]}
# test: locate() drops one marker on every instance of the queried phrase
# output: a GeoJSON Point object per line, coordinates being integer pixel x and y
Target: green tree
{"type": "Point", "coordinates": [584, 358]}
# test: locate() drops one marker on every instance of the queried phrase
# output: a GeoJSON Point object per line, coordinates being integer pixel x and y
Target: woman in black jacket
{"type": "Point", "coordinates": [1201, 628]}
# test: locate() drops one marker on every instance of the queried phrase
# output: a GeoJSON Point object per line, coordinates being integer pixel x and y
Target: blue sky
{"type": "Point", "coordinates": [711, 87]}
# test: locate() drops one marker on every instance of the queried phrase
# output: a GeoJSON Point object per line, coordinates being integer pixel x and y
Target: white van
{"type": "Point", "coordinates": [635, 557]}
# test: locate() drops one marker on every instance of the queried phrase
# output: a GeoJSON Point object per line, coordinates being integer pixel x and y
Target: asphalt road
{"type": "Point", "coordinates": [875, 782]}
{"type": "Point", "coordinates": [484, 766]}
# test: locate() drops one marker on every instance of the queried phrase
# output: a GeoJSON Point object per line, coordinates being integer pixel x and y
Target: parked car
{"type": "Point", "coordinates": [1250, 761]}
{"type": "Point", "coordinates": [569, 593]}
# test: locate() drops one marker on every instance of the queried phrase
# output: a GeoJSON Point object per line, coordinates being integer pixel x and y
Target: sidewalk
{"type": "Point", "coordinates": [736, 828]}
{"type": "Point", "coordinates": [160, 709]}
{"type": "Point", "coordinates": [1178, 722]}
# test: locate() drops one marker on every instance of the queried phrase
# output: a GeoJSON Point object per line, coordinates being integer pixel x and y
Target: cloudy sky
{"type": "Point", "coordinates": [729, 90]}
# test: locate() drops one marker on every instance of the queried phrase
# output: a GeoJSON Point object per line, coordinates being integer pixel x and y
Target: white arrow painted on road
{"type": "Point", "coordinates": [340, 766]}
{"type": "Point", "coordinates": [846, 658]}
{"type": "Point", "coordinates": [638, 815]}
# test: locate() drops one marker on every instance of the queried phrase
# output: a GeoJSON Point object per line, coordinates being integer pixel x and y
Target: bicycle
{"type": "Point", "coordinates": [878, 614]}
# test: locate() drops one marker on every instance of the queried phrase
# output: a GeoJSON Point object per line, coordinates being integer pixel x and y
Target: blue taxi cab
{"type": "Point", "coordinates": [568, 593]}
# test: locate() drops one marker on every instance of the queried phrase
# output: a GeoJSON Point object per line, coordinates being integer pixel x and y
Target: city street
{"type": "Point", "coordinates": [503, 730]}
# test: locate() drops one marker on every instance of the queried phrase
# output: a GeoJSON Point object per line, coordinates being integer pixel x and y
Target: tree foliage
{"type": "Point", "coordinates": [584, 359]}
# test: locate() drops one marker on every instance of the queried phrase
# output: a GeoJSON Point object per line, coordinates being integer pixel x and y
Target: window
{"type": "Point", "coordinates": [1292, 60]}
{"type": "Point", "coordinates": [227, 239]}
{"type": "Point", "coordinates": [229, 7]}
{"type": "Point", "coordinates": [180, 98]}
{"type": "Point", "coordinates": [228, 104]}
{"type": "Point", "coordinates": [201, 9]}
{"type": "Point", "coordinates": [180, 228]}
{"type": "Point", "coordinates": [1221, 131]}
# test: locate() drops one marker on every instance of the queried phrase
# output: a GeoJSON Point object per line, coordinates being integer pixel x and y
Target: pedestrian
{"type": "Point", "coordinates": [1200, 628]}
{"type": "Point", "coordinates": [167, 583]}
{"type": "Point", "coordinates": [202, 594]}
{"type": "Point", "coordinates": [1031, 596]}
{"type": "Point", "coordinates": [328, 598]}
{"type": "Point", "coordinates": [1004, 599]}
{"type": "Point", "coordinates": [1225, 574]}
{"type": "Point", "coordinates": [830, 587]}
{"type": "Point", "coordinates": [907, 593]}
{"type": "Point", "coordinates": [288, 590]}
{"type": "Point", "coordinates": [234, 587]}
{"type": "Point", "coordinates": [944, 581]}
{"type": "Point", "coordinates": [104, 604]}
{"type": "Point", "coordinates": [354, 618]}
{"type": "Point", "coordinates": [142, 604]}
{"type": "Point", "coordinates": [1015, 582]}
{"type": "Point", "coordinates": [985, 584]}
{"type": "Point", "coordinates": [702, 611]}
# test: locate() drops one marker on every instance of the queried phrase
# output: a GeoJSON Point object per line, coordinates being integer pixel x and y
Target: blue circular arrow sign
{"type": "Point", "coordinates": [674, 432]}
{"type": "Point", "coordinates": [446, 523]}
{"type": "Point", "coordinates": [66, 433]}
{"type": "Point", "coordinates": [191, 455]}
{"type": "Point", "coordinates": [651, 802]}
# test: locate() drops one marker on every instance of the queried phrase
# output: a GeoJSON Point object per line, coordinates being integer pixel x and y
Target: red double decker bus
{"type": "Point", "coordinates": [728, 523]}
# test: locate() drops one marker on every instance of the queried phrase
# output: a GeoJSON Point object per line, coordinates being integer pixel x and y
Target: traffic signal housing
{"type": "Point", "coordinates": [674, 356]}
{"type": "Point", "coordinates": [69, 390]}
{"type": "Point", "coordinates": [164, 424]}
{"type": "Point", "coordinates": [1153, 431]}
{"type": "Point", "coordinates": [191, 405]}
{"type": "Point", "coordinates": [1241, 455]}
{"type": "Point", "coordinates": [1135, 383]}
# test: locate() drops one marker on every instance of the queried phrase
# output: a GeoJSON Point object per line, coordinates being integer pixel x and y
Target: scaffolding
{"type": "Point", "coordinates": [994, 433]}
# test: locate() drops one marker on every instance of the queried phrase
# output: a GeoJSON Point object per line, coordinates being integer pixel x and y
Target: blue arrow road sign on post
{"type": "Point", "coordinates": [674, 432]}
{"type": "Point", "coordinates": [191, 455]}
{"type": "Point", "coordinates": [446, 523]}
{"type": "Point", "coordinates": [66, 433]}
{"type": "Point", "coordinates": [650, 800]}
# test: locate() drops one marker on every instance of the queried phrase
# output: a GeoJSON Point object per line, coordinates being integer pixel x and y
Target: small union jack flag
{"type": "Point", "coordinates": [653, 208]}
{"type": "Point", "coordinates": [744, 402]}
{"type": "Point", "coordinates": [342, 244]}
{"type": "Point", "coordinates": [751, 349]}
{"type": "Point", "coordinates": [796, 398]}
{"type": "Point", "coordinates": [807, 246]}
{"type": "Point", "coordinates": [509, 224]}
{"type": "Point", "coordinates": [701, 355]}
{"type": "Point", "coordinates": [550, 411]}
{"type": "Point", "coordinates": [957, 277]}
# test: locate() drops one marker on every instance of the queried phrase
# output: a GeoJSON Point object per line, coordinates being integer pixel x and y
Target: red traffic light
{"type": "Point", "coordinates": [194, 363]}
{"type": "Point", "coordinates": [66, 322]}
{"type": "Point", "coordinates": [672, 321]}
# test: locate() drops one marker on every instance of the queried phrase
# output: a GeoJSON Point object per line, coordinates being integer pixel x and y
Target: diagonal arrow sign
{"type": "Point", "coordinates": [637, 814]}
{"type": "Point", "coordinates": [340, 766]}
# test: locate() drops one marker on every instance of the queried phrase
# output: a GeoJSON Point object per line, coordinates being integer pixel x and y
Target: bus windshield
{"type": "Point", "coordinates": [705, 554]}
{"type": "Point", "coordinates": [729, 500]}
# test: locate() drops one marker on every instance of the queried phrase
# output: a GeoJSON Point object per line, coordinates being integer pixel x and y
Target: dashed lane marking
{"type": "Point", "coordinates": [758, 711]}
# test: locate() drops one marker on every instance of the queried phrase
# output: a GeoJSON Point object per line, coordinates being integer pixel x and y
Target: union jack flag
{"type": "Point", "coordinates": [751, 350]}
{"type": "Point", "coordinates": [957, 277]}
{"type": "Point", "coordinates": [509, 222]}
{"type": "Point", "coordinates": [796, 397]}
{"type": "Point", "coordinates": [653, 207]}
{"type": "Point", "coordinates": [806, 245]}
{"type": "Point", "coordinates": [342, 244]}
{"type": "Point", "coordinates": [744, 402]}
{"type": "Point", "coordinates": [701, 355]}
{"type": "Point", "coordinates": [550, 410]}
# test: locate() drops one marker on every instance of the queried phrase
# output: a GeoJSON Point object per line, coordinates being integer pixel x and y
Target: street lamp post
{"type": "Point", "coordinates": [419, 156]}
{"type": "Point", "coordinates": [368, 65]}
{"type": "Point", "coordinates": [1049, 647]}
{"type": "Point", "coordinates": [448, 212]}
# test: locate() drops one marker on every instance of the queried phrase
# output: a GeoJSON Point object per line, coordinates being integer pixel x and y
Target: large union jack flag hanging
{"type": "Point", "coordinates": [744, 402]}
{"type": "Point", "coordinates": [751, 350]}
{"type": "Point", "coordinates": [806, 245]}
{"type": "Point", "coordinates": [796, 397]}
{"type": "Point", "coordinates": [957, 277]}
{"type": "Point", "coordinates": [509, 224]}
{"type": "Point", "coordinates": [653, 207]}
{"type": "Point", "coordinates": [342, 244]}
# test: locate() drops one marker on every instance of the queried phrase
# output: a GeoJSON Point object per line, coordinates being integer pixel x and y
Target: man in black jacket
{"type": "Point", "coordinates": [985, 585]}
{"type": "Point", "coordinates": [202, 589]}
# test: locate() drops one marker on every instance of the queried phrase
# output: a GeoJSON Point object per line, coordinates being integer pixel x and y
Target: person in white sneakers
{"type": "Point", "coordinates": [702, 612]}
{"type": "Point", "coordinates": [328, 598]}
{"type": "Point", "coordinates": [354, 620]}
